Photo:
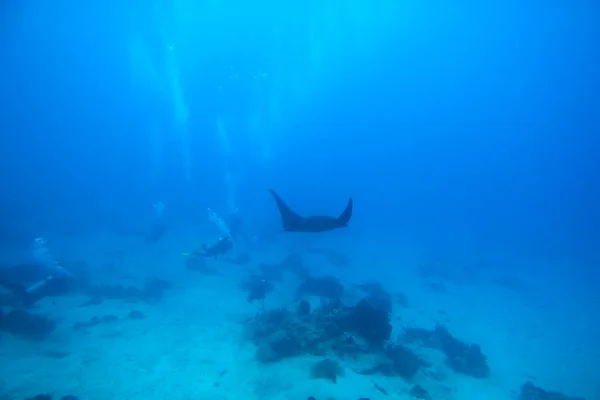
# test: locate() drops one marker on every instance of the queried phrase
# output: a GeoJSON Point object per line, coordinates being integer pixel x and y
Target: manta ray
{"type": "Point", "coordinates": [293, 222]}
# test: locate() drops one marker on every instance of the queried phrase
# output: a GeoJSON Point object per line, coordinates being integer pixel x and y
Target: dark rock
{"type": "Point", "coordinates": [288, 334]}
{"type": "Point", "coordinates": [377, 296]}
{"type": "Point", "coordinates": [278, 346]}
{"type": "Point", "coordinates": [418, 392]}
{"type": "Point", "coordinates": [324, 330]}
{"type": "Point", "coordinates": [463, 357]}
{"type": "Point", "coordinates": [327, 369]}
{"type": "Point", "coordinates": [349, 346]}
{"type": "Point", "coordinates": [405, 363]}
{"type": "Point", "coordinates": [49, 397]}
{"type": "Point", "coordinates": [27, 325]}
{"type": "Point", "coordinates": [41, 397]}
{"type": "Point", "coordinates": [154, 290]}
{"type": "Point", "coordinates": [531, 392]}
{"type": "Point", "coordinates": [402, 362]}
{"type": "Point", "coordinates": [285, 345]}
{"type": "Point", "coordinates": [372, 323]}
{"type": "Point", "coordinates": [279, 334]}
{"type": "Point", "coordinates": [265, 354]}
{"type": "Point", "coordinates": [303, 308]}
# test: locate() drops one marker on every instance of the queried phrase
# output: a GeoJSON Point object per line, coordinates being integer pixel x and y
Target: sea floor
{"type": "Point", "coordinates": [192, 344]}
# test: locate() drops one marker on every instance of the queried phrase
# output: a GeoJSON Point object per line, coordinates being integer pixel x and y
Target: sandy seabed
{"type": "Point", "coordinates": [192, 344]}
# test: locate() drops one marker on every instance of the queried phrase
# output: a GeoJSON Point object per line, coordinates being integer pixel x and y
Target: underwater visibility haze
{"type": "Point", "coordinates": [282, 200]}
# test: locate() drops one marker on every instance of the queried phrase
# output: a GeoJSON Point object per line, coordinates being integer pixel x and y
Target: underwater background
{"type": "Point", "coordinates": [466, 133]}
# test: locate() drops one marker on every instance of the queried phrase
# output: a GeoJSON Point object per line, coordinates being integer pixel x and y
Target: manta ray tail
{"type": "Point", "coordinates": [289, 218]}
{"type": "Point", "coordinates": [344, 218]}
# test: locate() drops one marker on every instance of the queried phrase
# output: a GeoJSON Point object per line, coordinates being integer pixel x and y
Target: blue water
{"type": "Point", "coordinates": [468, 135]}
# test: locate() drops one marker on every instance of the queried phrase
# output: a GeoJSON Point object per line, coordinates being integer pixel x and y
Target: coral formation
{"type": "Point", "coordinates": [368, 321]}
{"type": "Point", "coordinates": [323, 330]}
{"type": "Point", "coordinates": [377, 295]}
{"type": "Point", "coordinates": [464, 358]}
{"type": "Point", "coordinates": [344, 331]}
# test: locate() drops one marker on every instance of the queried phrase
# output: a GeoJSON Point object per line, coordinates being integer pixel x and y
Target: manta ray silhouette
{"type": "Point", "coordinates": [292, 222]}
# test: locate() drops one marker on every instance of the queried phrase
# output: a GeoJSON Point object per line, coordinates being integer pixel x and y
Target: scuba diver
{"type": "Point", "coordinates": [221, 247]}
{"type": "Point", "coordinates": [24, 284]}
{"type": "Point", "coordinates": [13, 294]}
{"type": "Point", "coordinates": [17, 289]}
{"type": "Point", "coordinates": [225, 243]}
